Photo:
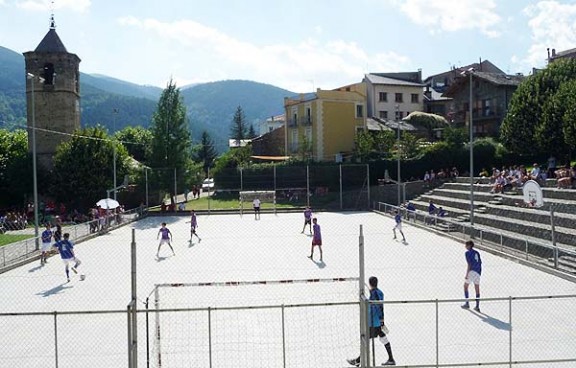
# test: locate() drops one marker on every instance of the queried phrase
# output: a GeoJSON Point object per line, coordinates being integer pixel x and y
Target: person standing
{"type": "Point", "coordinates": [256, 205]}
{"type": "Point", "coordinates": [307, 219]}
{"type": "Point", "coordinates": [376, 320]}
{"type": "Point", "coordinates": [398, 219]}
{"type": "Point", "coordinates": [193, 226]}
{"type": "Point", "coordinates": [66, 249]}
{"type": "Point", "coordinates": [473, 272]}
{"type": "Point", "coordinates": [166, 238]}
{"type": "Point", "coordinates": [316, 239]}
{"type": "Point", "coordinates": [46, 244]}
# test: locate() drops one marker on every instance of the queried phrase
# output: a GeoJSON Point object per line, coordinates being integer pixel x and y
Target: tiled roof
{"type": "Point", "coordinates": [376, 79]}
{"type": "Point", "coordinates": [51, 43]}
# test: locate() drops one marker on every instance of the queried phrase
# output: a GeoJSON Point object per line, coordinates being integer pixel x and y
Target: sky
{"type": "Point", "coordinates": [299, 45]}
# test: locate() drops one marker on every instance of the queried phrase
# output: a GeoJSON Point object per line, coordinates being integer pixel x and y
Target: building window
{"type": "Point", "coordinates": [486, 108]}
{"type": "Point", "coordinates": [383, 114]}
{"type": "Point", "coordinates": [398, 97]}
{"type": "Point", "coordinates": [414, 98]}
{"type": "Point", "coordinates": [399, 115]}
{"type": "Point", "coordinates": [382, 97]}
{"type": "Point", "coordinates": [359, 111]}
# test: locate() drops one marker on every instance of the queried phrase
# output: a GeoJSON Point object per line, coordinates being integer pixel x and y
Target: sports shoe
{"type": "Point", "coordinates": [355, 362]}
{"type": "Point", "coordinates": [389, 362]}
{"type": "Point", "coordinates": [310, 257]}
{"type": "Point", "coordinates": [465, 306]}
{"type": "Point", "coordinates": [477, 309]}
{"type": "Point", "coordinates": [74, 270]}
{"type": "Point", "coordinates": [199, 240]}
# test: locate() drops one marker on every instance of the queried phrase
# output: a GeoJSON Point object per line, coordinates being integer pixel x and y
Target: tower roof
{"type": "Point", "coordinates": [51, 43]}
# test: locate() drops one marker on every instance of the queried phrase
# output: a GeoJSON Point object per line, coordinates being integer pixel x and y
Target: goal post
{"type": "Point", "coordinates": [266, 197]}
{"type": "Point", "coordinates": [261, 323]}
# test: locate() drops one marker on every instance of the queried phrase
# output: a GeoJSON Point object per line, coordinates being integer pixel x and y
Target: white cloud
{"type": "Point", "coordinates": [452, 15]}
{"type": "Point", "coordinates": [43, 5]}
{"type": "Point", "coordinates": [553, 25]}
{"type": "Point", "coordinates": [215, 55]}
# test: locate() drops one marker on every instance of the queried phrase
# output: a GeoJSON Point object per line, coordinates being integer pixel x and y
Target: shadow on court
{"type": "Point", "coordinates": [55, 290]}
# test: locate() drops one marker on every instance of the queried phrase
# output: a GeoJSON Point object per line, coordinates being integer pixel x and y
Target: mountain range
{"type": "Point", "coordinates": [210, 106]}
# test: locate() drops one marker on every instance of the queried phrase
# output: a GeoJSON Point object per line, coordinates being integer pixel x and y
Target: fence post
{"type": "Point", "coordinates": [437, 335]}
{"type": "Point", "coordinates": [510, 330]}
{"type": "Point", "coordinates": [307, 185]}
{"type": "Point", "coordinates": [553, 230]}
{"type": "Point", "coordinates": [133, 311]}
{"type": "Point", "coordinates": [283, 339]}
{"type": "Point", "coordinates": [341, 202]}
{"type": "Point", "coordinates": [147, 334]}
{"type": "Point", "coordinates": [56, 338]}
{"type": "Point", "coordinates": [368, 183]}
{"type": "Point", "coordinates": [129, 324]}
{"type": "Point", "coordinates": [364, 342]}
{"type": "Point", "coordinates": [210, 336]}
{"type": "Point", "coordinates": [157, 326]}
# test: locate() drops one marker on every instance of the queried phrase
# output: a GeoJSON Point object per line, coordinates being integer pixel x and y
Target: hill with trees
{"type": "Point", "coordinates": [210, 106]}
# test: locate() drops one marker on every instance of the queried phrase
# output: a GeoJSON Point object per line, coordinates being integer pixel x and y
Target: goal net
{"type": "Point", "coordinates": [266, 197]}
{"type": "Point", "coordinates": [291, 323]}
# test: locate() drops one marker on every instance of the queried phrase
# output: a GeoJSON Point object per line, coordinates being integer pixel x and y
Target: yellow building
{"type": "Point", "coordinates": [322, 126]}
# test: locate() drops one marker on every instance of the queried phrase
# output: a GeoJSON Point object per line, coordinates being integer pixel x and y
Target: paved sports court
{"type": "Point", "coordinates": [235, 248]}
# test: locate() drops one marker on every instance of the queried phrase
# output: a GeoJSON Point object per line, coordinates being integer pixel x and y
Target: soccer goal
{"type": "Point", "coordinates": [266, 197]}
{"type": "Point", "coordinates": [290, 323]}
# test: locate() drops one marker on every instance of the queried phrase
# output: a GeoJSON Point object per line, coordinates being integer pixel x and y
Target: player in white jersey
{"type": "Point", "coordinates": [166, 238]}
{"type": "Point", "coordinates": [256, 205]}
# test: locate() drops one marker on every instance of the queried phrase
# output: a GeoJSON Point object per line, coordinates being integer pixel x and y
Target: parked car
{"type": "Point", "coordinates": [208, 185]}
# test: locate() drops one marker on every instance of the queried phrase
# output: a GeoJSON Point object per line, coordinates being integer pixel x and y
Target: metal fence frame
{"type": "Point", "coordinates": [524, 248]}
{"type": "Point", "coordinates": [26, 250]}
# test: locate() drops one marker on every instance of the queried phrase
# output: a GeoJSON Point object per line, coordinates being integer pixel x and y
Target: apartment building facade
{"type": "Point", "coordinates": [322, 126]}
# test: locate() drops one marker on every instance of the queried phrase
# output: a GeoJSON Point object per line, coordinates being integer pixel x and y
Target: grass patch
{"type": "Point", "coordinates": [12, 238]}
{"type": "Point", "coordinates": [229, 201]}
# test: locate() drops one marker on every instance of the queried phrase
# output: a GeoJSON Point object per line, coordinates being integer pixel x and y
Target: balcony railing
{"type": "Point", "coordinates": [305, 120]}
{"type": "Point", "coordinates": [292, 123]}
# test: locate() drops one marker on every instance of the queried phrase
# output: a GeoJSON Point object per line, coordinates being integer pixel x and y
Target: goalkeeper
{"type": "Point", "coordinates": [376, 318]}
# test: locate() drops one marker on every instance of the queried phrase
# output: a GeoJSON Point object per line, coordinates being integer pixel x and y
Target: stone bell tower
{"type": "Point", "coordinates": [52, 95]}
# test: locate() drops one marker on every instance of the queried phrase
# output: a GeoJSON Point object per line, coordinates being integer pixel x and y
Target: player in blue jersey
{"type": "Point", "coordinates": [66, 249]}
{"type": "Point", "coordinates": [307, 219]}
{"type": "Point", "coordinates": [398, 219]}
{"type": "Point", "coordinates": [46, 244]}
{"type": "Point", "coordinates": [473, 272]}
{"type": "Point", "coordinates": [166, 238]}
{"type": "Point", "coordinates": [193, 225]}
{"type": "Point", "coordinates": [376, 320]}
{"type": "Point", "coordinates": [316, 239]}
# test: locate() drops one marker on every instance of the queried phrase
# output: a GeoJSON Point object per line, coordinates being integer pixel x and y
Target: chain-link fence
{"type": "Point", "coordinates": [319, 186]}
{"type": "Point", "coordinates": [540, 253]}
{"type": "Point", "coordinates": [283, 315]}
{"type": "Point", "coordinates": [22, 251]}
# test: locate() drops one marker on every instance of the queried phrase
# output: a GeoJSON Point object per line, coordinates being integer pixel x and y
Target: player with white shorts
{"type": "Point", "coordinates": [473, 272]}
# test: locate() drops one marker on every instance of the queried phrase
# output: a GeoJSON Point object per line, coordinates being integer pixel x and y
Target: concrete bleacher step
{"type": "Point", "coordinates": [564, 264]}
{"type": "Point", "coordinates": [496, 202]}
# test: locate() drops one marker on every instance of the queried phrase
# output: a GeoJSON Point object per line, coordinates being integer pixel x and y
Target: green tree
{"type": "Point", "coordinates": [239, 129]}
{"type": "Point", "coordinates": [455, 137]}
{"type": "Point", "coordinates": [171, 145]}
{"type": "Point", "coordinates": [568, 95]}
{"type": "Point", "coordinates": [410, 146]}
{"type": "Point", "coordinates": [384, 141]}
{"type": "Point", "coordinates": [428, 121]}
{"type": "Point", "coordinates": [15, 167]}
{"type": "Point", "coordinates": [137, 141]}
{"type": "Point", "coordinates": [205, 153]}
{"type": "Point", "coordinates": [83, 165]}
{"type": "Point", "coordinates": [364, 145]}
{"type": "Point", "coordinates": [534, 123]}
{"type": "Point", "coordinates": [251, 132]}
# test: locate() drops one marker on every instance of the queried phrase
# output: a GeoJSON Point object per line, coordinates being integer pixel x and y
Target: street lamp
{"type": "Point", "coordinates": [470, 73]}
{"type": "Point", "coordinates": [399, 181]}
{"type": "Point", "coordinates": [31, 77]}
{"type": "Point", "coordinates": [114, 114]}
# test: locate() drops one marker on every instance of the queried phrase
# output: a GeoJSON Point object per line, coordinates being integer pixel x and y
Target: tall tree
{"type": "Point", "coordinates": [239, 128]}
{"type": "Point", "coordinates": [137, 141]}
{"type": "Point", "coordinates": [15, 167]}
{"type": "Point", "coordinates": [534, 122]}
{"type": "Point", "coordinates": [171, 145]}
{"type": "Point", "coordinates": [251, 132]}
{"type": "Point", "coordinates": [205, 153]}
{"type": "Point", "coordinates": [83, 167]}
